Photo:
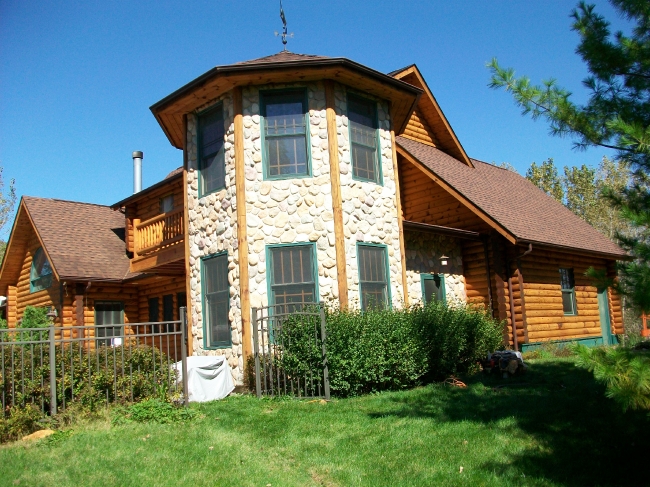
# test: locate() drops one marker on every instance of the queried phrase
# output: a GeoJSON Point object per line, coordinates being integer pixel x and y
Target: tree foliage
{"type": "Point", "coordinates": [7, 205]}
{"type": "Point", "coordinates": [546, 178]}
{"type": "Point", "coordinates": [616, 115]}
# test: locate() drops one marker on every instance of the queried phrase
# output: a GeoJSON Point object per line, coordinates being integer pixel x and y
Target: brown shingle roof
{"type": "Point", "coordinates": [525, 211]}
{"type": "Point", "coordinates": [84, 241]}
{"type": "Point", "coordinates": [282, 57]}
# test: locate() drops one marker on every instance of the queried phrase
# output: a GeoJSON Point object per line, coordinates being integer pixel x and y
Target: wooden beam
{"type": "Point", "coordinates": [337, 203]}
{"type": "Point", "coordinates": [242, 237]}
{"type": "Point", "coordinates": [186, 224]}
{"type": "Point", "coordinates": [522, 294]}
{"type": "Point", "coordinates": [476, 210]}
{"type": "Point", "coordinates": [161, 257]}
{"type": "Point", "coordinates": [400, 218]}
{"type": "Point", "coordinates": [439, 229]}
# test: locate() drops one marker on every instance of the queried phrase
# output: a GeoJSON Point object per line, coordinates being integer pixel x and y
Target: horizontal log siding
{"type": "Point", "coordinates": [615, 303]}
{"type": "Point", "coordinates": [545, 315]}
{"type": "Point", "coordinates": [418, 129]}
{"type": "Point", "coordinates": [149, 206]}
{"type": "Point", "coordinates": [475, 272]}
{"type": "Point", "coordinates": [23, 297]}
{"type": "Point", "coordinates": [158, 289]}
{"type": "Point", "coordinates": [425, 201]}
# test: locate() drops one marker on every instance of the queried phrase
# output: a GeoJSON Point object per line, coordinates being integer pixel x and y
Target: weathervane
{"type": "Point", "coordinates": [284, 28]}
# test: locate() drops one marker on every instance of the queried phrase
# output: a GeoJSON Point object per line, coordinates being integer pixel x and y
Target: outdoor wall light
{"type": "Point", "coordinates": [52, 314]}
{"type": "Point", "coordinates": [443, 260]}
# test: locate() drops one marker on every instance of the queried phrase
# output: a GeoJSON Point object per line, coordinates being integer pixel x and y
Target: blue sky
{"type": "Point", "coordinates": [77, 78]}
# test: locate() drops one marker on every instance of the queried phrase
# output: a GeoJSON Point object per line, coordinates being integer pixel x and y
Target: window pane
{"type": "Point", "coordinates": [108, 313]}
{"type": "Point", "coordinates": [212, 158]}
{"type": "Point", "coordinates": [153, 310]}
{"type": "Point", "coordinates": [217, 300]}
{"type": "Point", "coordinates": [168, 307]}
{"type": "Point", "coordinates": [287, 155]}
{"type": "Point", "coordinates": [293, 279]}
{"type": "Point", "coordinates": [567, 302]}
{"type": "Point", "coordinates": [41, 272]}
{"type": "Point", "coordinates": [372, 276]}
{"type": "Point", "coordinates": [284, 114]}
{"type": "Point", "coordinates": [167, 203]}
{"type": "Point", "coordinates": [362, 117]}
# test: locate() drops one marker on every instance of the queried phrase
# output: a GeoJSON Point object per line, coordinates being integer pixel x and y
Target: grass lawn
{"type": "Point", "coordinates": [551, 427]}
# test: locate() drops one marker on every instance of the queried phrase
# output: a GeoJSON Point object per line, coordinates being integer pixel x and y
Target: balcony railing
{"type": "Point", "coordinates": [158, 233]}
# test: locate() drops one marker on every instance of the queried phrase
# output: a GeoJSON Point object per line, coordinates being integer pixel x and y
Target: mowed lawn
{"type": "Point", "coordinates": [551, 427]}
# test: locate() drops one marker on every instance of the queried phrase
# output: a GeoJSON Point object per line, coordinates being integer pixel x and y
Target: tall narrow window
{"type": "Point", "coordinates": [216, 301]}
{"type": "Point", "coordinates": [373, 276]}
{"type": "Point", "coordinates": [154, 314]}
{"type": "Point", "coordinates": [568, 292]}
{"type": "Point", "coordinates": [40, 276]}
{"type": "Point", "coordinates": [181, 302]}
{"type": "Point", "coordinates": [109, 313]}
{"type": "Point", "coordinates": [293, 277]}
{"type": "Point", "coordinates": [362, 118]}
{"type": "Point", "coordinates": [433, 288]}
{"type": "Point", "coordinates": [212, 163]}
{"type": "Point", "coordinates": [285, 134]}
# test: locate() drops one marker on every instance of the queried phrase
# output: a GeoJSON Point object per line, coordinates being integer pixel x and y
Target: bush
{"type": "Point", "coordinates": [154, 410]}
{"type": "Point", "coordinates": [379, 350]}
{"type": "Point", "coordinates": [20, 421]}
{"type": "Point", "coordinates": [624, 371]}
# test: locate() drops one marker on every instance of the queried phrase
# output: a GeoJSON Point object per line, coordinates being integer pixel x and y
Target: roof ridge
{"type": "Point", "coordinates": [39, 198]}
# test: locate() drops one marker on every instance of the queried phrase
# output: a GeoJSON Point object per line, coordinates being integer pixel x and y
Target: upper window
{"type": "Point", "coordinates": [285, 134]}
{"type": "Point", "coordinates": [216, 303]}
{"type": "Point", "coordinates": [567, 283]}
{"type": "Point", "coordinates": [167, 203]}
{"type": "Point", "coordinates": [362, 118]}
{"type": "Point", "coordinates": [40, 276]}
{"type": "Point", "coordinates": [433, 288]}
{"type": "Point", "coordinates": [373, 276]}
{"type": "Point", "coordinates": [292, 274]}
{"type": "Point", "coordinates": [212, 162]}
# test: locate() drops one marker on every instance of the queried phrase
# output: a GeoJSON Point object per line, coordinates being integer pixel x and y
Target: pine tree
{"type": "Point", "coordinates": [616, 116]}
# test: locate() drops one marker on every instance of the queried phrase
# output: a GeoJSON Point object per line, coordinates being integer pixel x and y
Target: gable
{"type": "Point", "coordinates": [428, 123]}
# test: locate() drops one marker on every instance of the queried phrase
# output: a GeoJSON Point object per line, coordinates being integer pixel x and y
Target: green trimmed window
{"type": "Point", "coordinates": [567, 283]}
{"type": "Point", "coordinates": [109, 313]}
{"type": "Point", "coordinates": [285, 134]}
{"type": "Point", "coordinates": [212, 162]}
{"type": "Point", "coordinates": [433, 288]}
{"type": "Point", "coordinates": [362, 119]}
{"type": "Point", "coordinates": [216, 301]}
{"type": "Point", "coordinates": [292, 274]}
{"type": "Point", "coordinates": [40, 276]}
{"type": "Point", "coordinates": [373, 276]}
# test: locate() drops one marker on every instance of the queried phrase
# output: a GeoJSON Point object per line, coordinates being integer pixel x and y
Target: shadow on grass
{"type": "Point", "coordinates": [582, 437]}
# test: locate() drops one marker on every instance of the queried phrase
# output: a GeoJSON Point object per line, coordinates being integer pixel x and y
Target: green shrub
{"type": "Point", "coordinates": [624, 371]}
{"type": "Point", "coordinates": [20, 421]}
{"type": "Point", "coordinates": [379, 350]}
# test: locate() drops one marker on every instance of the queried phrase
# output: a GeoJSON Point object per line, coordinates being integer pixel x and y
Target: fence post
{"type": "Point", "coordinates": [52, 371]}
{"type": "Point", "coordinates": [183, 317]}
{"type": "Point", "coordinates": [256, 352]}
{"type": "Point", "coordinates": [323, 336]}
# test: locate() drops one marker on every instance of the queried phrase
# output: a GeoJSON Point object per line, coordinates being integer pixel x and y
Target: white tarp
{"type": "Point", "coordinates": [208, 378]}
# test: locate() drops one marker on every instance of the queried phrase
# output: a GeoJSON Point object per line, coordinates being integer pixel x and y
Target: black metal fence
{"type": "Point", "coordinates": [54, 366]}
{"type": "Point", "coordinates": [289, 345]}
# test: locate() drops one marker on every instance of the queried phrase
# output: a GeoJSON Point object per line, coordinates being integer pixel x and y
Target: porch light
{"type": "Point", "coordinates": [443, 260]}
{"type": "Point", "coordinates": [51, 313]}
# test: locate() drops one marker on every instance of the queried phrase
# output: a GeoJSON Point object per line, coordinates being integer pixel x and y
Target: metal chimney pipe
{"type": "Point", "coordinates": [137, 171]}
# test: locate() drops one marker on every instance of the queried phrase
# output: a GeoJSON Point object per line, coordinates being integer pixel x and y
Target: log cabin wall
{"type": "Point", "coordinates": [149, 206]}
{"type": "Point", "coordinates": [159, 288]}
{"type": "Point", "coordinates": [543, 297]}
{"type": "Point", "coordinates": [476, 273]}
{"type": "Point", "coordinates": [418, 129]}
{"type": "Point", "coordinates": [20, 297]}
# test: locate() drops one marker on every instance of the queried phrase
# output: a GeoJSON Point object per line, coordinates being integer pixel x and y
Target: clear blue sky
{"type": "Point", "coordinates": [77, 78]}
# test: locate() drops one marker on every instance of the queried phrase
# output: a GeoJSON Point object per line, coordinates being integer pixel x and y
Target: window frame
{"type": "Point", "coordinates": [389, 296]}
{"type": "Point", "coordinates": [265, 156]}
{"type": "Point", "coordinates": [378, 160]}
{"type": "Point", "coordinates": [32, 287]}
{"type": "Point", "coordinates": [571, 291]}
{"type": "Point", "coordinates": [431, 277]}
{"type": "Point", "coordinates": [206, 344]}
{"type": "Point", "coordinates": [270, 274]}
{"type": "Point", "coordinates": [199, 148]}
{"type": "Point", "coordinates": [106, 340]}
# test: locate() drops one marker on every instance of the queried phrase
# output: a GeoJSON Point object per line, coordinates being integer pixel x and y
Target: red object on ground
{"type": "Point", "coordinates": [645, 332]}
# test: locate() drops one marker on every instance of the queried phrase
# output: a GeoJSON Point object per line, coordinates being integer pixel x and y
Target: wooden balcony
{"type": "Point", "coordinates": [159, 241]}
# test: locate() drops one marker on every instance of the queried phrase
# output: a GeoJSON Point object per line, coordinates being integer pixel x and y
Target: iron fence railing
{"type": "Point", "coordinates": [54, 366]}
{"type": "Point", "coordinates": [290, 351]}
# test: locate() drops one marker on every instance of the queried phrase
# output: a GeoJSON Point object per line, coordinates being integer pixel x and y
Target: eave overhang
{"type": "Point", "coordinates": [136, 196]}
{"type": "Point", "coordinates": [170, 110]}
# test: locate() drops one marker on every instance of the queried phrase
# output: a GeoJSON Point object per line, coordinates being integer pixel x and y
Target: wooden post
{"type": "Point", "coordinates": [186, 230]}
{"type": "Point", "coordinates": [337, 203]}
{"type": "Point", "coordinates": [520, 278]}
{"type": "Point", "coordinates": [400, 218]}
{"type": "Point", "coordinates": [242, 236]}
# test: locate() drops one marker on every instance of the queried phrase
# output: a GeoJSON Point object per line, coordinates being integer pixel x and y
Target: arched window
{"type": "Point", "coordinates": [40, 276]}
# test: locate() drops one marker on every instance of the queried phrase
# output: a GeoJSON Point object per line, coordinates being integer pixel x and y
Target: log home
{"type": "Point", "coordinates": [310, 178]}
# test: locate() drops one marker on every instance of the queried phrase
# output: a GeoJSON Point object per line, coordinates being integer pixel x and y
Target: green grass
{"type": "Point", "coordinates": [551, 427]}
